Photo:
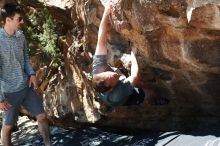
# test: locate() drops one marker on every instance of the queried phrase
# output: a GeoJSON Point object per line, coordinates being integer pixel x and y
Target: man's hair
{"type": "Point", "coordinates": [9, 10]}
{"type": "Point", "coordinates": [98, 83]}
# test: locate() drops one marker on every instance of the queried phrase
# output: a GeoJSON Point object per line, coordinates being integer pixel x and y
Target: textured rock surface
{"type": "Point", "coordinates": [178, 43]}
{"type": "Point", "coordinates": [61, 3]}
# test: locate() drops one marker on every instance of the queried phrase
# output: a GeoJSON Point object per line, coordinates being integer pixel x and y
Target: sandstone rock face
{"type": "Point", "coordinates": [178, 43]}
{"type": "Point", "coordinates": [61, 3]}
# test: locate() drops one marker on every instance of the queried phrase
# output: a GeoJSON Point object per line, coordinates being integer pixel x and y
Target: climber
{"type": "Point", "coordinates": [112, 87]}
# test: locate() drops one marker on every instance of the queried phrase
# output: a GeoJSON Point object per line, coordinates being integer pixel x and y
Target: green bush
{"type": "Point", "coordinates": [42, 37]}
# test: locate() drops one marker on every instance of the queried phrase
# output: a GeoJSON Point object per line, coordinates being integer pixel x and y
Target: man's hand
{"type": "Point", "coordinates": [4, 105]}
{"type": "Point", "coordinates": [32, 81]}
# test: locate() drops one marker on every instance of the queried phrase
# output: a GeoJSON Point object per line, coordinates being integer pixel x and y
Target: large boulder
{"type": "Point", "coordinates": [178, 43]}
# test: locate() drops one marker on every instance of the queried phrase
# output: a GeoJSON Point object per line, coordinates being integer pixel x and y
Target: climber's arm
{"type": "Point", "coordinates": [134, 67]}
{"type": "Point", "coordinates": [101, 48]}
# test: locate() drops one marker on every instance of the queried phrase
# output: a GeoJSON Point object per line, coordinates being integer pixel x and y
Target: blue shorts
{"type": "Point", "coordinates": [136, 98]}
{"type": "Point", "coordinates": [28, 98]}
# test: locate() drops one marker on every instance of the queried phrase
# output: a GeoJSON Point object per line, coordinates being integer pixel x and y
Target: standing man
{"type": "Point", "coordinates": [17, 78]}
{"type": "Point", "coordinates": [114, 89]}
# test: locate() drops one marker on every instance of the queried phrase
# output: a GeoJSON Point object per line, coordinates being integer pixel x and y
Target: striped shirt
{"type": "Point", "coordinates": [15, 67]}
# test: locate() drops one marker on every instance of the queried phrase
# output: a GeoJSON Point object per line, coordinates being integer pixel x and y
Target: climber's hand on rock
{"type": "Point", "coordinates": [108, 7]}
{"type": "Point", "coordinates": [134, 50]}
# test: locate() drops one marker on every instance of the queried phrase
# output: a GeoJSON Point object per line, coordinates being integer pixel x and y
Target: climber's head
{"type": "Point", "coordinates": [105, 81]}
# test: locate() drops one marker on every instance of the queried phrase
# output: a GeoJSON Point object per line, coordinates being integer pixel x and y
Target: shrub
{"type": "Point", "coordinates": [41, 36]}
